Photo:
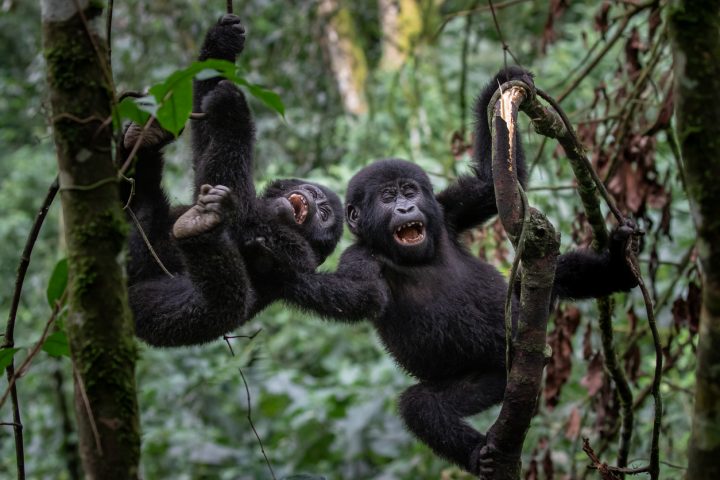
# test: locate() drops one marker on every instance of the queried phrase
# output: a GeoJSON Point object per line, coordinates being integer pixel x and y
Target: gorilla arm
{"type": "Point", "coordinates": [587, 274]}
{"type": "Point", "coordinates": [227, 160]}
{"type": "Point", "coordinates": [224, 41]}
{"type": "Point", "coordinates": [470, 201]}
{"type": "Point", "coordinates": [354, 293]}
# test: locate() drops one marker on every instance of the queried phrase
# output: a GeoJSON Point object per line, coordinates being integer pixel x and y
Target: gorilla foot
{"type": "Point", "coordinates": [205, 215]}
{"type": "Point", "coordinates": [486, 459]}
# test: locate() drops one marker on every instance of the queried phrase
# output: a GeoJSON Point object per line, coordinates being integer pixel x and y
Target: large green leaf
{"type": "Point", "coordinates": [56, 344]}
{"type": "Point", "coordinates": [6, 356]}
{"type": "Point", "coordinates": [58, 282]}
{"type": "Point", "coordinates": [171, 100]}
{"type": "Point", "coordinates": [174, 102]}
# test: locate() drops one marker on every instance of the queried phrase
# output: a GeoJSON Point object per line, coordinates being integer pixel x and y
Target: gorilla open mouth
{"type": "Point", "coordinates": [410, 233]}
{"type": "Point", "coordinates": [300, 207]}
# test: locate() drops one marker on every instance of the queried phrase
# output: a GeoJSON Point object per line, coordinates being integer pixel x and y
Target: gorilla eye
{"type": "Point", "coordinates": [388, 194]}
{"type": "Point", "coordinates": [324, 213]}
{"type": "Point", "coordinates": [409, 190]}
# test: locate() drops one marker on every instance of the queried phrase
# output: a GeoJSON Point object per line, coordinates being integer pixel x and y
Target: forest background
{"type": "Point", "coordinates": [361, 81]}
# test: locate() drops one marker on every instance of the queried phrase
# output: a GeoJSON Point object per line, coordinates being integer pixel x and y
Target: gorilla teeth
{"type": "Point", "coordinates": [410, 233]}
{"type": "Point", "coordinates": [300, 206]}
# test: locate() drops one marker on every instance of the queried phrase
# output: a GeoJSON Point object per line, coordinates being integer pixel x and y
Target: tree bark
{"type": "Point", "coordinates": [347, 58]}
{"type": "Point", "coordinates": [99, 325]}
{"type": "Point", "coordinates": [695, 30]}
{"type": "Point", "coordinates": [401, 22]}
{"type": "Point", "coordinates": [538, 248]}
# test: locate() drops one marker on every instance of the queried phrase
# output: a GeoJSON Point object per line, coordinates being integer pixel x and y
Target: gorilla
{"type": "Point", "coordinates": [220, 265]}
{"type": "Point", "coordinates": [438, 310]}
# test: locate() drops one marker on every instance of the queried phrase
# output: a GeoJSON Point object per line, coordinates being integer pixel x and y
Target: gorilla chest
{"type": "Point", "coordinates": [433, 328]}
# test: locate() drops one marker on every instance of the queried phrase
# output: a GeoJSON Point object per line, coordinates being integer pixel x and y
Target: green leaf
{"type": "Point", "coordinates": [268, 97]}
{"type": "Point", "coordinates": [174, 99]}
{"type": "Point", "coordinates": [6, 356]}
{"type": "Point", "coordinates": [212, 68]}
{"type": "Point", "coordinates": [137, 110]}
{"type": "Point", "coordinates": [58, 282]}
{"type": "Point", "coordinates": [56, 344]}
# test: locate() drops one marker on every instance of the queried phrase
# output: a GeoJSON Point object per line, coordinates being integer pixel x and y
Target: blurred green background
{"type": "Point", "coordinates": [323, 394]}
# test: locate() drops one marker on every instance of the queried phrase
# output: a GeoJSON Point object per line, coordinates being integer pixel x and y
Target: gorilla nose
{"type": "Point", "coordinates": [405, 209]}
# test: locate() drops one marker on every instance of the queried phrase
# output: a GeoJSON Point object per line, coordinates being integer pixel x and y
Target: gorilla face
{"type": "Point", "coordinates": [309, 208]}
{"type": "Point", "coordinates": [397, 213]}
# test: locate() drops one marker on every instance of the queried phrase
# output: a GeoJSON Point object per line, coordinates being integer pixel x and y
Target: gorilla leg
{"type": "Point", "coordinates": [149, 204]}
{"type": "Point", "coordinates": [213, 297]}
{"type": "Point", "coordinates": [434, 412]}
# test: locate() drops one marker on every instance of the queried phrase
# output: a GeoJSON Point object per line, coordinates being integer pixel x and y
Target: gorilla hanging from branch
{"type": "Point", "coordinates": [437, 309]}
{"type": "Point", "coordinates": [221, 264]}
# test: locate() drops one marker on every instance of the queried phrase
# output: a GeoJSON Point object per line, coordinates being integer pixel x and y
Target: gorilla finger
{"type": "Point", "coordinates": [218, 192]}
{"type": "Point", "coordinates": [210, 198]}
{"type": "Point", "coordinates": [205, 188]}
{"type": "Point", "coordinates": [223, 188]}
{"type": "Point", "coordinates": [230, 19]}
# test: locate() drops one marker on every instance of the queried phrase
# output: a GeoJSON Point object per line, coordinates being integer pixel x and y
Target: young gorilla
{"type": "Point", "coordinates": [437, 309]}
{"type": "Point", "coordinates": [227, 251]}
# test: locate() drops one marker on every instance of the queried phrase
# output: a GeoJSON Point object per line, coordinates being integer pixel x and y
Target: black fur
{"type": "Point", "coordinates": [437, 309]}
{"type": "Point", "coordinates": [233, 245]}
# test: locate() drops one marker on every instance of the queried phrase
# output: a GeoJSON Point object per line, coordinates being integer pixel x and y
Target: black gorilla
{"type": "Point", "coordinates": [228, 250]}
{"type": "Point", "coordinates": [437, 309]}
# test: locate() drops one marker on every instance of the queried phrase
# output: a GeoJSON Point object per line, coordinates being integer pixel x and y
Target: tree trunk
{"type": "Point", "coordinates": [401, 22]}
{"type": "Point", "coordinates": [99, 325]}
{"type": "Point", "coordinates": [347, 58]}
{"type": "Point", "coordinates": [695, 27]}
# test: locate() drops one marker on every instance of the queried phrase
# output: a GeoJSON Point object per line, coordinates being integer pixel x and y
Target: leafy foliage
{"type": "Point", "coordinates": [171, 101]}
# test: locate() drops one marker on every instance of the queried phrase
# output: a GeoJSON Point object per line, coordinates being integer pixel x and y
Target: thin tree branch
{"type": "Point", "coordinates": [12, 316]}
{"type": "Point", "coordinates": [249, 403]}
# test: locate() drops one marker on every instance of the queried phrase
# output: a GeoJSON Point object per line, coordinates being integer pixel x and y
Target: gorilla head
{"type": "Point", "coordinates": [313, 209]}
{"type": "Point", "coordinates": [391, 207]}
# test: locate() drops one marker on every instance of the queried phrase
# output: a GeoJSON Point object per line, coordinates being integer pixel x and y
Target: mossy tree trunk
{"type": "Point", "coordinates": [695, 27]}
{"type": "Point", "coordinates": [402, 23]}
{"type": "Point", "coordinates": [99, 325]}
{"type": "Point", "coordinates": [347, 58]}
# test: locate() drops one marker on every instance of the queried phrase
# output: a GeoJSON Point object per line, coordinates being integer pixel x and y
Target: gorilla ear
{"type": "Point", "coordinates": [352, 215]}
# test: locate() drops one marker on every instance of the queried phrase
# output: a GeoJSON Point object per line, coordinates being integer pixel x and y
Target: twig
{"type": "Point", "coordinates": [136, 147]}
{"type": "Point", "coordinates": [86, 403]}
{"type": "Point", "coordinates": [463, 71]}
{"type": "Point", "coordinates": [34, 351]}
{"type": "Point", "coordinates": [606, 471]}
{"type": "Point", "coordinates": [582, 157]}
{"type": "Point", "coordinates": [594, 63]}
{"type": "Point", "coordinates": [229, 6]}
{"type": "Point", "coordinates": [12, 316]}
{"type": "Point", "coordinates": [551, 188]}
{"type": "Point", "coordinates": [630, 104]}
{"type": "Point", "coordinates": [249, 403]}
{"type": "Point", "coordinates": [506, 47]}
{"type": "Point", "coordinates": [252, 425]}
{"type": "Point", "coordinates": [108, 30]}
{"type": "Point", "coordinates": [654, 467]}
{"type": "Point", "coordinates": [147, 242]}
